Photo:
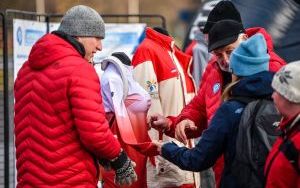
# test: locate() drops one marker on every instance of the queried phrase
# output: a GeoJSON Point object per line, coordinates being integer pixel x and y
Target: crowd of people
{"type": "Point", "coordinates": [145, 122]}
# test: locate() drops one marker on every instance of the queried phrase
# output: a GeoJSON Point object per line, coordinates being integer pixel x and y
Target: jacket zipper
{"type": "Point", "coordinates": [179, 75]}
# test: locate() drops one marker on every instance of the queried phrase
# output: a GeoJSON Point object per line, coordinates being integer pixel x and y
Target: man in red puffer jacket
{"type": "Point", "coordinates": [60, 126]}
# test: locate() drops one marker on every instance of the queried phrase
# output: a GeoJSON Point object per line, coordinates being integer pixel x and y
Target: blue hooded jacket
{"type": "Point", "coordinates": [220, 137]}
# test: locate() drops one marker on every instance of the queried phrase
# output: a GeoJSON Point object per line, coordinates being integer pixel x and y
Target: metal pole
{"type": "Point", "coordinates": [6, 104]}
{"type": "Point", "coordinates": [40, 6]}
{"type": "Point", "coordinates": [47, 20]}
{"type": "Point", "coordinates": [162, 18]}
{"type": "Point", "coordinates": [133, 8]}
{"type": "Point", "coordinates": [40, 9]}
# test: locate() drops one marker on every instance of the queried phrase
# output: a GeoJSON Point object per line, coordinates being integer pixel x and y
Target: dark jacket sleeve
{"type": "Point", "coordinates": [212, 144]}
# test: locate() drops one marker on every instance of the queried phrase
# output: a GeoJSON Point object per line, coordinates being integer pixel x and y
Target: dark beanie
{"type": "Point", "coordinates": [223, 10]}
{"type": "Point", "coordinates": [122, 57]}
{"type": "Point", "coordinates": [224, 33]}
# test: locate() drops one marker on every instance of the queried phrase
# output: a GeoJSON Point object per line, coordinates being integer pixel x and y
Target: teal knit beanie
{"type": "Point", "coordinates": [250, 57]}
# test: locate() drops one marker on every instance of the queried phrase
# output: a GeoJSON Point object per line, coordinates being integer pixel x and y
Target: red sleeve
{"type": "Point", "coordinates": [89, 115]}
{"type": "Point", "coordinates": [171, 131]}
{"type": "Point", "coordinates": [194, 111]}
{"type": "Point", "coordinates": [275, 62]}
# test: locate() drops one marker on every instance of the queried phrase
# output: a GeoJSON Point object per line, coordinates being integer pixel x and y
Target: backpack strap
{"type": "Point", "coordinates": [246, 101]}
{"type": "Point", "coordinates": [290, 152]}
{"type": "Point", "coordinates": [120, 67]}
{"type": "Point", "coordinates": [289, 149]}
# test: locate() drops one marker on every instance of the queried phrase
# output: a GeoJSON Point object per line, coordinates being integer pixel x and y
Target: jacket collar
{"type": "Point", "coordinates": [254, 30]}
{"type": "Point", "coordinates": [287, 124]}
{"type": "Point", "coordinates": [254, 86]}
{"type": "Point", "coordinates": [163, 40]}
{"type": "Point", "coordinates": [77, 45]}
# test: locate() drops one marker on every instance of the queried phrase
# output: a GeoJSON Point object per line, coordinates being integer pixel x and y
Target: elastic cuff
{"type": "Point", "coordinates": [119, 161]}
{"type": "Point", "coordinates": [169, 126]}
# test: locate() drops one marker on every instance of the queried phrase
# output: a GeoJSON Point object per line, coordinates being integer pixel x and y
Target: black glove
{"type": "Point", "coordinates": [124, 168]}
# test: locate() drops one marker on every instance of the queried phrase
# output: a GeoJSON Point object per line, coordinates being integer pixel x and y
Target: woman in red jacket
{"type": "Point", "coordinates": [282, 167]}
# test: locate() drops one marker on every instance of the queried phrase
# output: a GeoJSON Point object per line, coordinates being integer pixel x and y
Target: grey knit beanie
{"type": "Point", "coordinates": [82, 21]}
{"type": "Point", "coordinates": [287, 82]}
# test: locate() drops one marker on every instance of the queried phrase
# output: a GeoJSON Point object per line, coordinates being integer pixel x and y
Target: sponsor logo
{"type": "Point", "coordinates": [152, 89]}
{"type": "Point", "coordinates": [239, 110]}
{"type": "Point", "coordinates": [31, 36]}
{"type": "Point", "coordinates": [19, 36]}
{"type": "Point", "coordinates": [216, 87]}
{"type": "Point", "coordinates": [152, 86]}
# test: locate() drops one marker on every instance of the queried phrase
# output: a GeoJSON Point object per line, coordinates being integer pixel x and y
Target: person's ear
{"type": "Point", "coordinates": [234, 77]}
{"type": "Point", "coordinates": [78, 39]}
{"type": "Point", "coordinates": [245, 36]}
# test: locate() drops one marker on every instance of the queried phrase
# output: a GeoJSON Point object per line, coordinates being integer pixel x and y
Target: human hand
{"type": "Point", "coordinates": [158, 144]}
{"type": "Point", "coordinates": [182, 127]}
{"type": "Point", "coordinates": [124, 169]}
{"type": "Point", "coordinates": [159, 122]}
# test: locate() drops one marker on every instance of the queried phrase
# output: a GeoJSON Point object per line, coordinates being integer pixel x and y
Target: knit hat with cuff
{"type": "Point", "coordinates": [250, 57]}
{"type": "Point", "coordinates": [223, 10]}
{"type": "Point", "coordinates": [287, 82]}
{"type": "Point", "coordinates": [82, 21]}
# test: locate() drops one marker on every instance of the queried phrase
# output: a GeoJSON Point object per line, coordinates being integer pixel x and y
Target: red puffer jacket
{"type": "Point", "coordinates": [208, 99]}
{"type": "Point", "coordinates": [60, 125]}
{"type": "Point", "coordinates": [283, 163]}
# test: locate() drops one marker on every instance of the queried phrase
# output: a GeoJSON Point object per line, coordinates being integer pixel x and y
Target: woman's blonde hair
{"type": "Point", "coordinates": [226, 95]}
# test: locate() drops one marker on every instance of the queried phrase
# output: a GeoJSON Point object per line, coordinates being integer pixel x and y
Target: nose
{"type": "Point", "coordinates": [99, 45]}
{"type": "Point", "coordinates": [273, 95]}
{"type": "Point", "coordinates": [225, 57]}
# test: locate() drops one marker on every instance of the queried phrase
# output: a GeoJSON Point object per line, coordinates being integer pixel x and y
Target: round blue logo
{"type": "Point", "coordinates": [19, 35]}
{"type": "Point", "coordinates": [216, 87]}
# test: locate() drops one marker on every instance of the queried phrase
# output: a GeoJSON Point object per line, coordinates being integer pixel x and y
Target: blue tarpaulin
{"type": "Point", "coordinates": [281, 18]}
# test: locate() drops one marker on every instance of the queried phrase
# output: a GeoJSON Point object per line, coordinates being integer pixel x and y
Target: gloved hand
{"type": "Point", "coordinates": [124, 168]}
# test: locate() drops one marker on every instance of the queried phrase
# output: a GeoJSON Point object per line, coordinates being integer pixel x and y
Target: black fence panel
{"type": "Point", "coordinates": [151, 20]}
{"type": "Point", "coordinates": [4, 128]}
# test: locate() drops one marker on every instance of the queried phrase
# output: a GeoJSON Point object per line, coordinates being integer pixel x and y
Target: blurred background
{"type": "Point", "coordinates": [281, 18]}
{"type": "Point", "coordinates": [178, 13]}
